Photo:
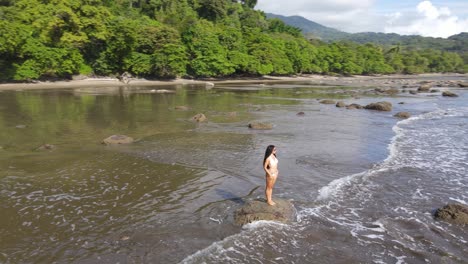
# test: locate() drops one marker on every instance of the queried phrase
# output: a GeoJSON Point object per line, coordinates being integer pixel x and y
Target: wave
{"type": "Point", "coordinates": [396, 159]}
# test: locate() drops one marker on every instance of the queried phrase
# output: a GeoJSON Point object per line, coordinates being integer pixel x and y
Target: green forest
{"type": "Point", "coordinates": [56, 39]}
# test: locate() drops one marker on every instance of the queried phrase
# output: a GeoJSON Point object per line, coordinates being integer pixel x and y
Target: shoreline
{"type": "Point", "coordinates": [363, 80]}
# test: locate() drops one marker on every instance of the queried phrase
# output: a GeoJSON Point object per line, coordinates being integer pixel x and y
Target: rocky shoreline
{"type": "Point", "coordinates": [386, 84]}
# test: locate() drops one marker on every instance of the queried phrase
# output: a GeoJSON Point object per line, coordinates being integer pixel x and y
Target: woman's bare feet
{"type": "Point", "coordinates": [271, 203]}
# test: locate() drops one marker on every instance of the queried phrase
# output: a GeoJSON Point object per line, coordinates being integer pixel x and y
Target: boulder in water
{"type": "Point", "coordinates": [260, 126]}
{"type": "Point", "coordinates": [380, 106]}
{"type": "Point", "coordinates": [455, 213]}
{"type": "Point", "coordinates": [182, 108]}
{"type": "Point", "coordinates": [117, 139]}
{"type": "Point", "coordinates": [354, 106]}
{"type": "Point", "coordinates": [402, 115]}
{"type": "Point", "coordinates": [46, 147]}
{"type": "Point", "coordinates": [327, 101]}
{"type": "Point", "coordinates": [254, 210]}
{"type": "Point", "coordinates": [199, 118]}
{"type": "Point", "coordinates": [463, 84]}
{"type": "Point", "coordinates": [340, 104]}
{"type": "Point", "coordinates": [449, 94]}
{"type": "Point", "coordinates": [425, 88]}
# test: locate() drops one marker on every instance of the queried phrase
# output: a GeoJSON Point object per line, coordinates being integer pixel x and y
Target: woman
{"type": "Point", "coordinates": [270, 165]}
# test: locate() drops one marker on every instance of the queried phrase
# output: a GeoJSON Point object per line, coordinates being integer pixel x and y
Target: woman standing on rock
{"type": "Point", "coordinates": [270, 165]}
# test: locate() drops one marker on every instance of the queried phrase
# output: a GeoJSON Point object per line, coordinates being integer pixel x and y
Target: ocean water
{"type": "Point", "coordinates": [364, 183]}
{"type": "Point", "coordinates": [383, 214]}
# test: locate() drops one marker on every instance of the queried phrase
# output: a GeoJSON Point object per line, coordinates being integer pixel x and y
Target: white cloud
{"type": "Point", "coordinates": [428, 20]}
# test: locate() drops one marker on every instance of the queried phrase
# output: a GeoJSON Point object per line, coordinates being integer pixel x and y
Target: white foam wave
{"type": "Point", "coordinates": [395, 159]}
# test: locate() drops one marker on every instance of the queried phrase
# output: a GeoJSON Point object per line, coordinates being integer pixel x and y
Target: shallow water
{"type": "Point", "coordinates": [363, 182]}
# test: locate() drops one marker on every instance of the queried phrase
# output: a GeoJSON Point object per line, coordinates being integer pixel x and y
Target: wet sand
{"type": "Point", "coordinates": [387, 81]}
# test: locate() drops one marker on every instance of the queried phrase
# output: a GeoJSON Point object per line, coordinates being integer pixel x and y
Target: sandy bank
{"type": "Point", "coordinates": [313, 79]}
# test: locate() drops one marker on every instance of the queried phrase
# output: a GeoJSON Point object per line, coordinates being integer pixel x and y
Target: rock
{"type": "Point", "coordinates": [327, 101]}
{"type": "Point", "coordinates": [46, 147]}
{"type": "Point", "coordinates": [402, 115]}
{"type": "Point", "coordinates": [463, 84]}
{"type": "Point", "coordinates": [455, 213]}
{"type": "Point", "coordinates": [340, 104]}
{"type": "Point", "coordinates": [182, 108]}
{"type": "Point", "coordinates": [392, 91]}
{"type": "Point", "coordinates": [425, 88]}
{"type": "Point", "coordinates": [21, 126]}
{"type": "Point", "coordinates": [354, 106]}
{"type": "Point", "coordinates": [199, 118]}
{"type": "Point", "coordinates": [300, 114]}
{"type": "Point", "coordinates": [449, 94]}
{"type": "Point", "coordinates": [380, 106]}
{"type": "Point", "coordinates": [260, 126]}
{"type": "Point", "coordinates": [401, 103]}
{"type": "Point", "coordinates": [435, 90]}
{"type": "Point", "coordinates": [117, 139]}
{"type": "Point", "coordinates": [283, 211]}
{"type": "Point", "coordinates": [413, 92]}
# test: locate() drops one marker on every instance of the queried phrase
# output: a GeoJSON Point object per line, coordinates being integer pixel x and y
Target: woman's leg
{"type": "Point", "coordinates": [270, 182]}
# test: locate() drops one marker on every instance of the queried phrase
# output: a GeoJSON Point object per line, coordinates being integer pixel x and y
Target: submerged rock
{"type": "Point", "coordinates": [283, 211]}
{"type": "Point", "coordinates": [402, 115]}
{"type": "Point", "coordinates": [449, 94]}
{"type": "Point", "coordinates": [260, 126]}
{"type": "Point", "coordinates": [21, 126]}
{"type": "Point", "coordinates": [182, 108]}
{"type": "Point", "coordinates": [199, 118]}
{"type": "Point", "coordinates": [46, 147]}
{"type": "Point", "coordinates": [425, 88]}
{"type": "Point", "coordinates": [380, 106]}
{"type": "Point", "coordinates": [413, 92]}
{"type": "Point", "coordinates": [455, 213]}
{"type": "Point", "coordinates": [327, 101]}
{"type": "Point", "coordinates": [340, 104]}
{"type": "Point", "coordinates": [300, 114]}
{"type": "Point", "coordinates": [354, 106]}
{"type": "Point", "coordinates": [117, 139]}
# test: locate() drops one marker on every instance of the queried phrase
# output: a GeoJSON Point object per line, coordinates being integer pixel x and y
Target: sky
{"type": "Point", "coordinates": [436, 18]}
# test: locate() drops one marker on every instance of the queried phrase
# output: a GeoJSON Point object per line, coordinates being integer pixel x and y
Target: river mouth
{"type": "Point", "coordinates": [172, 192]}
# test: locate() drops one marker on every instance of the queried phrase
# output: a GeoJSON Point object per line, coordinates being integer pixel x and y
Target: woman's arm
{"type": "Point", "coordinates": [265, 166]}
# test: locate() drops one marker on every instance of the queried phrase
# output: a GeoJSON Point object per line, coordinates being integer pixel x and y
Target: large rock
{"type": "Point", "coordinates": [455, 213]}
{"type": "Point", "coordinates": [380, 106]}
{"type": "Point", "coordinates": [254, 210]}
{"type": "Point", "coordinates": [463, 84]}
{"type": "Point", "coordinates": [260, 126]}
{"type": "Point", "coordinates": [117, 139]}
{"type": "Point", "coordinates": [449, 94]}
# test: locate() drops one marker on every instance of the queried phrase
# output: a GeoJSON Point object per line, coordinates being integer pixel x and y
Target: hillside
{"type": "Point", "coordinates": [58, 39]}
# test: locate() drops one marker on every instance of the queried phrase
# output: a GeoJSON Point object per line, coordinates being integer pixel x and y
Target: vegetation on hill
{"type": "Point", "coordinates": [192, 38]}
{"type": "Point", "coordinates": [312, 30]}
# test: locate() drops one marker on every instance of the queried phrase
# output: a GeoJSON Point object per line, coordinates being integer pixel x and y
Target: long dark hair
{"type": "Point", "coordinates": [268, 152]}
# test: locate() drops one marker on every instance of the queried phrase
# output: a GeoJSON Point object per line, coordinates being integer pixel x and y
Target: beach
{"type": "Point", "coordinates": [364, 183]}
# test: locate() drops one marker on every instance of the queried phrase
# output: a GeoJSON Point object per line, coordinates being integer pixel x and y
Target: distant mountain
{"type": "Point", "coordinates": [310, 28]}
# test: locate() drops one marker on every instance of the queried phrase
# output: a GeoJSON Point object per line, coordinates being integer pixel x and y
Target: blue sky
{"type": "Point", "coordinates": [435, 18]}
